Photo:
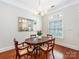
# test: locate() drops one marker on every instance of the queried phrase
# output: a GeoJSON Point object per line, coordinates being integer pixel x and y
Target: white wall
{"type": "Point", "coordinates": [45, 25]}
{"type": "Point", "coordinates": [8, 25]}
{"type": "Point", "coordinates": [70, 16]}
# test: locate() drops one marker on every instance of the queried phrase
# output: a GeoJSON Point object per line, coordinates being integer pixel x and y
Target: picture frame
{"type": "Point", "coordinates": [25, 24]}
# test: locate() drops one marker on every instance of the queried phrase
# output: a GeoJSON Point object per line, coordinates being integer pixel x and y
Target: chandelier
{"type": "Point", "coordinates": [39, 10]}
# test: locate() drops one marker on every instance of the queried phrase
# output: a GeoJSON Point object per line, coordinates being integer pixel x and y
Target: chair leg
{"type": "Point", "coordinates": [31, 57]}
{"type": "Point", "coordinates": [16, 57]}
{"type": "Point", "coordinates": [25, 57]}
{"type": "Point", "coordinates": [53, 54]}
{"type": "Point", "coordinates": [46, 56]}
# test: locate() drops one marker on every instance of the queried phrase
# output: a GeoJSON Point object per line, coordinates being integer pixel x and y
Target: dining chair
{"type": "Point", "coordinates": [33, 36]}
{"type": "Point", "coordinates": [47, 47]}
{"type": "Point", "coordinates": [22, 50]}
{"type": "Point", "coordinates": [49, 36]}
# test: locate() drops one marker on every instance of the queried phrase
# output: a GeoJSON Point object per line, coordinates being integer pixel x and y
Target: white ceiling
{"type": "Point", "coordinates": [32, 5]}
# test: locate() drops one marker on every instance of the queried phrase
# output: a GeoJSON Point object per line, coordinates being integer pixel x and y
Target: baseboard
{"type": "Point", "coordinates": [6, 49]}
{"type": "Point", "coordinates": [68, 46]}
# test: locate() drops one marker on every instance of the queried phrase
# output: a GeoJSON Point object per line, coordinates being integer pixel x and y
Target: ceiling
{"type": "Point", "coordinates": [32, 5]}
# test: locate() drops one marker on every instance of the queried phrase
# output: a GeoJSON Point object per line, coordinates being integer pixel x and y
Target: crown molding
{"type": "Point", "coordinates": [50, 11]}
{"type": "Point", "coordinates": [16, 5]}
{"type": "Point", "coordinates": [65, 6]}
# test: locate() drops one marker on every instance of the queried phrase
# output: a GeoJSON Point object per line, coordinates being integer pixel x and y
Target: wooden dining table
{"type": "Point", "coordinates": [36, 43]}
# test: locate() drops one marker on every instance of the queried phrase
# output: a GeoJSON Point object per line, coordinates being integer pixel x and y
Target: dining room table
{"type": "Point", "coordinates": [36, 43]}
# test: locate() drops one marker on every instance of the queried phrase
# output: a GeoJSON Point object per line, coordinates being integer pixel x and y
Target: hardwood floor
{"type": "Point", "coordinates": [66, 52]}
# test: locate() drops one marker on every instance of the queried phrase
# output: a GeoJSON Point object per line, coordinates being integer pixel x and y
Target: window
{"type": "Point", "coordinates": [56, 27]}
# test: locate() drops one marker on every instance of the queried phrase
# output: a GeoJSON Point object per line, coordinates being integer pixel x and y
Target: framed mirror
{"type": "Point", "coordinates": [25, 24]}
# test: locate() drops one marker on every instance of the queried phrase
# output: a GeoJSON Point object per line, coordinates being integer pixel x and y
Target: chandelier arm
{"type": "Point", "coordinates": [40, 11]}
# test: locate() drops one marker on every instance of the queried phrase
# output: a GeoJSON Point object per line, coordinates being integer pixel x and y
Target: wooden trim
{"type": "Point", "coordinates": [67, 47]}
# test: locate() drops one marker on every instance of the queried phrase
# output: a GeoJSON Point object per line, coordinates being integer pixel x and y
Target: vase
{"type": "Point", "coordinates": [39, 37]}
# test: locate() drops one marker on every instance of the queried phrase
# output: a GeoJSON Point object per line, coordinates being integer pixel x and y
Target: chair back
{"type": "Point", "coordinates": [49, 36]}
{"type": "Point", "coordinates": [51, 44]}
{"type": "Point", "coordinates": [16, 46]}
{"type": "Point", "coordinates": [33, 36]}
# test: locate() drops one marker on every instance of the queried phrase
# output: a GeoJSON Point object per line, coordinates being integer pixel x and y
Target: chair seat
{"type": "Point", "coordinates": [24, 51]}
{"type": "Point", "coordinates": [22, 46]}
{"type": "Point", "coordinates": [30, 49]}
{"type": "Point", "coordinates": [45, 48]}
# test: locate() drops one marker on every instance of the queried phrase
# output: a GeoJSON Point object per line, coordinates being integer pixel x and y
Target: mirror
{"type": "Point", "coordinates": [25, 24]}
